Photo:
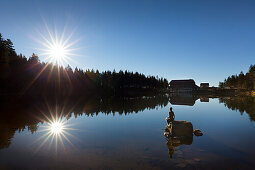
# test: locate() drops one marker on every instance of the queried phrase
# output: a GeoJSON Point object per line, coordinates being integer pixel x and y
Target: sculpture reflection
{"type": "Point", "coordinates": [177, 133]}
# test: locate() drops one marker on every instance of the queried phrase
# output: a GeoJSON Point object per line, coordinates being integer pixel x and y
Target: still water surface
{"type": "Point", "coordinates": [128, 134]}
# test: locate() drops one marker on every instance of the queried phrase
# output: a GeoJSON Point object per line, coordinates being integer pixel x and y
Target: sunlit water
{"type": "Point", "coordinates": [136, 141]}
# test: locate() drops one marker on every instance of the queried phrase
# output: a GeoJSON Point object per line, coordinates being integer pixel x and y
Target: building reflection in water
{"type": "Point", "coordinates": [177, 133]}
{"type": "Point", "coordinates": [187, 99]}
{"type": "Point", "coordinates": [204, 99]}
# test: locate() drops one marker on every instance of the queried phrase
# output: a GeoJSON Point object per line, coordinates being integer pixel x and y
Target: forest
{"type": "Point", "coordinates": [20, 75]}
{"type": "Point", "coordinates": [241, 81]}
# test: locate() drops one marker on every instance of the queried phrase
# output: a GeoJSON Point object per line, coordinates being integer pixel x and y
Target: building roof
{"type": "Point", "coordinates": [189, 82]}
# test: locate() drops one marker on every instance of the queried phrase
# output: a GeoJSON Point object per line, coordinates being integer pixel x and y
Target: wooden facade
{"type": "Point", "coordinates": [204, 85]}
{"type": "Point", "coordinates": [183, 86]}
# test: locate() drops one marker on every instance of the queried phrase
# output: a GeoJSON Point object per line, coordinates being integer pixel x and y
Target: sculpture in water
{"type": "Point", "coordinates": [177, 133]}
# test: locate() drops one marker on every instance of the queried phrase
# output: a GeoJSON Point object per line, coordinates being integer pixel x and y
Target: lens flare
{"type": "Point", "coordinates": [57, 53]}
{"type": "Point", "coordinates": [57, 49]}
{"type": "Point", "coordinates": [56, 127]}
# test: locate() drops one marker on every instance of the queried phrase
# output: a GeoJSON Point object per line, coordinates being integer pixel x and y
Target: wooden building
{"type": "Point", "coordinates": [204, 85]}
{"type": "Point", "coordinates": [183, 86]}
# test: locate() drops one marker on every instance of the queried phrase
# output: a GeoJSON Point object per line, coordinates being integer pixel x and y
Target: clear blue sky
{"type": "Point", "coordinates": [204, 40]}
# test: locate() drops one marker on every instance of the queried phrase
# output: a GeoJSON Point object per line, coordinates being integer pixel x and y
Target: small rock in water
{"type": "Point", "coordinates": [197, 132]}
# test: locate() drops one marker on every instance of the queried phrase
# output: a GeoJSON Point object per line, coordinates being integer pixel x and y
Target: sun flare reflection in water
{"type": "Point", "coordinates": [55, 133]}
{"type": "Point", "coordinates": [56, 127]}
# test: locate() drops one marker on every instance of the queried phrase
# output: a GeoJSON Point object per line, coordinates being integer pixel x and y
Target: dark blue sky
{"type": "Point", "coordinates": [203, 40]}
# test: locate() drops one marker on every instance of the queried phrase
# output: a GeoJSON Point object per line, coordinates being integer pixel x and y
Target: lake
{"type": "Point", "coordinates": [126, 133]}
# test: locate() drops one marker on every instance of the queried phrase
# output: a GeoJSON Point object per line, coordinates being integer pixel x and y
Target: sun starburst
{"type": "Point", "coordinates": [55, 129]}
{"type": "Point", "coordinates": [55, 48]}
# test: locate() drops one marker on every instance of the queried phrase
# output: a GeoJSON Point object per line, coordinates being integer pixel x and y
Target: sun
{"type": "Point", "coordinates": [58, 54]}
{"type": "Point", "coordinates": [57, 49]}
{"type": "Point", "coordinates": [56, 127]}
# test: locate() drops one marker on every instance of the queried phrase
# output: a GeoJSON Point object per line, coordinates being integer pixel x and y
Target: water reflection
{"type": "Point", "coordinates": [177, 133]}
{"type": "Point", "coordinates": [204, 99]}
{"type": "Point", "coordinates": [124, 142]}
{"type": "Point", "coordinates": [241, 104]}
{"type": "Point", "coordinates": [183, 99]}
{"type": "Point", "coordinates": [29, 111]}
{"type": "Point", "coordinates": [56, 131]}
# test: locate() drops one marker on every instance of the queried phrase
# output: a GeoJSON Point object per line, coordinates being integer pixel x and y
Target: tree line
{"type": "Point", "coordinates": [21, 75]}
{"type": "Point", "coordinates": [241, 81]}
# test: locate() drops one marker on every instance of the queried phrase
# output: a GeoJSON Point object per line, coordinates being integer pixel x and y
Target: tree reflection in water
{"type": "Point", "coordinates": [241, 104]}
{"type": "Point", "coordinates": [18, 113]}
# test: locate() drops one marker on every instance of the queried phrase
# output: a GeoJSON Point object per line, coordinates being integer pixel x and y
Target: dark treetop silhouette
{"type": "Point", "coordinates": [20, 75]}
{"type": "Point", "coordinates": [241, 81]}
